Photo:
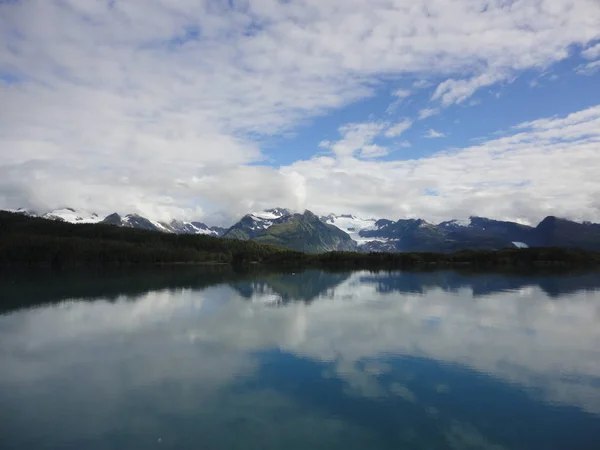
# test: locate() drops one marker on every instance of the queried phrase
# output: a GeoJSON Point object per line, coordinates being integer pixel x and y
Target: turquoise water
{"type": "Point", "coordinates": [314, 360]}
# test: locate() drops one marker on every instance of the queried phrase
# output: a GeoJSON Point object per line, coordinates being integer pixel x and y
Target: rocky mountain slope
{"type": "Point", "coordinates": [304, 232]}
{"type": "Point", "coordinates": [251, 225]}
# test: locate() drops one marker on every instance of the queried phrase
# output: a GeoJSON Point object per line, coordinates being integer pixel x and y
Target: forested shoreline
{"type": "Point", "coordinates": [31, 241]}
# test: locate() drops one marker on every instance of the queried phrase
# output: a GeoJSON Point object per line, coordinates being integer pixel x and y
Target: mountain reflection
{"type": "Point", "coordinates": [441, 343]}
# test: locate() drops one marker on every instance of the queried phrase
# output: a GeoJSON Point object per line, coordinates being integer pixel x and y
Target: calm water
{"type": "Point", "coordinates": [216, 360]}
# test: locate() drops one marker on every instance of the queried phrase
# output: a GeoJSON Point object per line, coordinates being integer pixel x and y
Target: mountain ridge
{"type": "Point", "coordinates": [303, 232]}
{"type": "Point", "coordinates": [347, 232]}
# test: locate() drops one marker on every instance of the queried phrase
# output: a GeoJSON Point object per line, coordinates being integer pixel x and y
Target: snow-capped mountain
{"type": "Point", "coordinates": [303, 232]}
{"type": "Point", "coordinates": [308, 232]}
{"type": "Point", "coordinates": [63, 214]}
{"type": "Point", "coordinates": [454, 224]}
{"type": "Point", "coordinates": [406, 235]}
{"type": "Point", "coordinates": [182, 227]}
{"type": "Point", "coordinates": [251, 225]}
{"type": "Point", "coordinates": [134, 221]}
{"type": "Point", "coordinates": [272, 214]}
{"type": "Point", "coordinates": [175, 226]}
{"type": "Point", "coordinates": [26, 212]}
{"type": "Point", "coordinates": [72, 216]}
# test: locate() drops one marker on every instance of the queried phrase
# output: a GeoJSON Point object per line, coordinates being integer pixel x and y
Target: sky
{"type": "Point", "coordinates": [209, 109]}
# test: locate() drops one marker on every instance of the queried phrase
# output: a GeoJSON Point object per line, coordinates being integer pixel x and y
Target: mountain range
{"type": "Point", "coordinates": [312, 234]}
{"type": "Point", "coordinates": [128, 221]}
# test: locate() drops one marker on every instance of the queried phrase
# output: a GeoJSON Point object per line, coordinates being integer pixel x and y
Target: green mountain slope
{"type": "Point", "coordinates": [306, 233]}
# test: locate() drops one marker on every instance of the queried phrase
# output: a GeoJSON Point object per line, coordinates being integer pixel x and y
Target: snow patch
{"type": "Point", "coordinates": [520, 245]}
{"type": "Point", "coordinates": [264, 215]}
{"type": "Point", "coordinates": [352, 226]}
{"type": "Point", "coordinates": [73, 216]}
{"type": "Point", "coordinates": [160, 227]}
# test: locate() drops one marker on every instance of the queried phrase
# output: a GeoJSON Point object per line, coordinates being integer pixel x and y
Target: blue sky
{"type": "Point", "coordinates": [208, 109]}
{"type": "Point", "coordinates": [556, 91]}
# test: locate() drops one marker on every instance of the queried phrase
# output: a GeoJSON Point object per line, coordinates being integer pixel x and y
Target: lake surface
{"type": "Point", "coordinates": [212, 359]}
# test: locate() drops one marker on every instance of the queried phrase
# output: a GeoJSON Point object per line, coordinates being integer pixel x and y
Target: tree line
{"type": "Point", "coordinates": [35, 241]}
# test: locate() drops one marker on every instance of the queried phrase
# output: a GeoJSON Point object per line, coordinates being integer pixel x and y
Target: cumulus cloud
{"type": "Point", "coordinates": [356, 137]}
{"type": "Point", "coordinates": [547, 166]}
{"type": "Point", "coordinates": [140, 108]}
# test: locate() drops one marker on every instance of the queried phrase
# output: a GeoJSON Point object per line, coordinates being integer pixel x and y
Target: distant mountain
{"type": "Point", "coordinates": [71, 215]}
{"type": "Point", "coordinates": [180, 227]}
{"type": "Point", "coordinates": [63, 214]}
{"type": "Point", "coordinates": [417, 235]}
{"type": "Point", "coordinates": [303, 232]}
{"type": "Point", "coordinates": [251, 225]}
{"type": "Point", "coordinates": [135, 221]}
{"type": "Point", "coordinates": [478, 233]}
{"type": "Point", "coordinates": [175, 226]}
{"type": "Point", "coordinates": [306, 232]}
{"type": "Point", "coordinates": [556, 232]}
{"type": "Point", "coordinates": [511, 231]}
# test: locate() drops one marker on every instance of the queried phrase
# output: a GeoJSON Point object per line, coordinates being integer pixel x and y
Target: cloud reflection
{"type": "Point", "coordinates": [195, 345]}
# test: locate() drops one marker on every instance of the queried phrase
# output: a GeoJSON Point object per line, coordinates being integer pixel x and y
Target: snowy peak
{"type": "Point", "coordinates": [271, 214]}
{"type": "Point", "coordinates": [133, 221]}
{"type": "Point", "coordinates": [181, 227]}
{"type": "Point", "coordinates": [175, 226]}
{"type": "Point", "coordinates": [252, 224]}
{"type": "Point", "coordinates": [26, 212]}
{"type": "Point", "coordinates": [454, 224]}
{"type": "Point", "coordinates": [72, 216]}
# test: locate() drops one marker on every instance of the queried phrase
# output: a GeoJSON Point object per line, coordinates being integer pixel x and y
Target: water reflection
{"type": "Point", "coordinates": [310, 360]}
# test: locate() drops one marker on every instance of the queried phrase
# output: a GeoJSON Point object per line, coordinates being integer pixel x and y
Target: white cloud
{"type": "Point", "coordinates": [373, 151]}
{"type": "Point", "coordinates": [399, 128]}
{"type": "Point", "coordinates": [428, 112]}
{"type": "Point", "coordinates": [456, 91]}
{"type": "Point", "coordinates": [592, 52]}
{"type": "Point", "coordinates": [522, 337]}
{"type": "Point", "coordinates": [420, 84]}
{"type": "Point", "coordinates": [355, 137]}
{"type": "Point", "coordinates": [402, 93]}
{"type": "Point", "coordinates": [126, 107]}
{"type": "Point", "coordinates": [544, 167]}
{"type": "Point", "coordinates": [432, 134]}
{"type": "Point", "coordinates": [589, 68]}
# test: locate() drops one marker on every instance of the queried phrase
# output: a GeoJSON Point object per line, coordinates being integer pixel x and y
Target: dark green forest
{"type": "Point", "coordinates": [30, 241]}
{"type": "Point", "coordinates": [34, 241]}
